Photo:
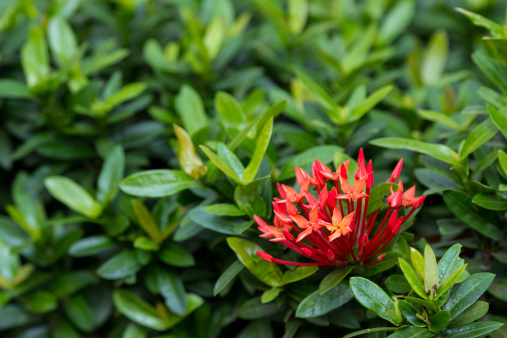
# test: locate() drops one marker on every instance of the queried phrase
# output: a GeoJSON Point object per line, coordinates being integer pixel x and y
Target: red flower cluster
{"type": "Point", "coordinates": [334, 226]}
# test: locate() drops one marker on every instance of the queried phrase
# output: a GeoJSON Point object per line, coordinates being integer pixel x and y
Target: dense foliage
{"type": "Point", "coordinates": [142, 140]}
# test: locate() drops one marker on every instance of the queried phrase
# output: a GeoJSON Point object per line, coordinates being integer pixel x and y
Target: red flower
{"type": "Point", "coordinates": [333, 229]}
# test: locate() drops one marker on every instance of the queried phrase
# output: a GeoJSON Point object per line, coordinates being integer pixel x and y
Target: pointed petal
{"type": "Point", "coordinates": [337, 216]}
{"type": "Point", "coordinates": [300, 221]}
{"type": "Point", "coordinates": [304, 234]}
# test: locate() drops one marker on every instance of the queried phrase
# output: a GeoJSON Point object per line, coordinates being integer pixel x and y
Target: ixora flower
{"type": "Point", "coordinates": [333, 228]}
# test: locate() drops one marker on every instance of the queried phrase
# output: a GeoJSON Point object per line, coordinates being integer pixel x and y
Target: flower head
{"type": "Point", "coordinates": [327, 219]}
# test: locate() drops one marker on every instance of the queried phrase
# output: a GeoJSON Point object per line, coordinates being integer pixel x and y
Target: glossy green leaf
{"type": "Point", "coordinates": [298, 13]}
{"type": "Point", "coordinates": [317, 304]}
{"type": "Point", "coordinates": [270, 295]}
{"type": "Point", "coordinates": [430, 272]}
{"type": "Point", "coordinates": [72, 195]}
{"type": "Point", "coordinates": [62, 41]}
{"type": "Point", "coordinates": [490, 202]}
{"type": "Point", "coordinates": [440, 118]}
{"type": "Point", "coordinates": [320, 94]}
{"type": "Point", "coordinates": [144, 243]}
{"type": "Point", "coordinates": [476, 311]}
{"type": "Point", "coordinates": [412, 279]}
{"type": "Point", "coordinates": [502, 159]}
{"type": "Point", "coordinates": [172, 289]}
{"type": "Point", "coordinates": [440, 321]}
{"type": "Point", "coordinates": [499, 118]}
{"type": "Point", "coordinates": [370, 102]}
{"type": "Point", "coordinates": [301, 272]}
{"type": "Point", "coordinates": [245, 250]}
{"type": "Point", "coordinates": [40, 302]}
{"type": "Point", "coordinates": [224, 209]}
{"type": "Point", "coordinates": [460, 206]}
{"type": "Point", "coordinates": [398, 284]}
{"type": "Point", "coordinates": [377, 329]}
{"type": "Point", "coordinates": [377, 195]}
{"type": "Point", "coordinates": [176, 256]}
{"type": "Point", "coordinates": [494, 69]}
{"type": "Point", "coordinates": [157, 183]}
{"type": "Point", "coordinates": [472, 330]}
{"type": "Point", "coordinates": [324, 154]}
{"type": "Point", "coordinates": [235, 172]}
{"type": "Point", "coordinates": [254, 309]}
{"type": "Point", "coordinates": [499, 288]}
{"type": "Point", "coordinates": [119, 266]}
{"type": "Point", "coordinates": [390, 259]}
{"type": "Point", "coordinates": [334, 277]}
{"type": "Point", "coordinates": [409, 312]}
{"type": "Point", "coordinates": [372, 297]}
{"type": "Point", "coordinates": [448, 282]}
{"type": "Point", "coordinates": [227, 277]}
{"type": "Point", "coordinates": [449, 262]}
{"type": "Point", "coordinates": [438, 151]}
{"type": "Point", "coordinates": [466, 293]}
{"type": "Point", "coordinates": [137, 310]}
{"type": "Point", "coordinates": [90, 246]}
{"type": "Point", "coordinates": [190, 108]}
{"type": "Point", "coordinates": [396, 20]}
{"type": "Point", "coordinates": [229, 111]}
{"type": "Point", "coordinates": [261, 145]}
{"type": "Point", "coordinates": [477, 137]}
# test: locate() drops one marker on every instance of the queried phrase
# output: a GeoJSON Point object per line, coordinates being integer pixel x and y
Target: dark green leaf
{"type": "Point", "coordinates": [438, 151]}
{"type": "Point", "coordinates": [119, 266]}
{"type": "Point", "coordinates": [372, 297]}
{"type": "Point", "coordinates": [474, 312]}
{"type": "Point", "coordinates": [472, 330]}
{"type": "Point", "coordinates": [317, 304]}
{"type": "Point", "coordinates": [171, 287]}
{"type": "Point", "coordinates": [227, 277]}
{"type": "Point", "coordinates": [90, 246]}
{"type": "Point", "coordinates": [333, 278]}
{"type": "Point", "coordinates": [176, 256]}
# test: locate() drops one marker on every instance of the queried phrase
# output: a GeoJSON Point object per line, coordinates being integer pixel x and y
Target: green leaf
{"type": "Point", "coordinates": [225, 165]}
{"type": "Point", "coordinates": [301, 272]}
{"type": "Point", "coordinates": [176, 256]}
{"type": "Point", "coordinates": [472, 330]}
{"type": "Point", "coordinates": [12, 89]}
{"type": "Point", "coordinates": [320, 94]}
{"type": "Point", "coordinates": [398, 284]}
{"type": "Point", "coordinates": [227, 277]}
{"type": "Point", "coordinates": [372, 297]}
{"type": "Point", "coordinates": [396, 20]}
{"type": "Point", "coordinates": [224, 209]}
{"type": "Point", "coordinates": [417, 261]}
{"type": "Point", "coordinates": [62, 41]}
{"type": "Point", "coordinates": [438, 151]}
{"type": "Point", "coordinates": [157, 183]}
{"type": "Point", "coordinates": [190, 108]}
{"type": "Point", "coordinates": [430, 272]}
{"type": "Point", "coordinates": [499, 289]}
{"type": "Point", "coordinates": [298, 13]}
{"type": "Point", "coordinates": [270, 295]}
{"type": "Point", "coordinates": [138, 310]}
{"type": "Point", "coordinates": [189, 162]}
{"type": "Point", "coordinates": [460, 206]}
{"type": "Point", "coordinates": [119, 266]}
{"type": "Point", "coordinates": [171, 287]}
{"type": "Point", "coordinates": [411, 332]}
{"type": "Point", "coordinates": [370, 102]}
{"type": "Point", "coordinates": [334, 277]}
{"type": "Point", "coordinates": [229, 111]}
{"type": "Point", "coordinates": [80, 313]}
{"type": "Point", "coordinates": [490, 202]}
{"type": "Point", "coordinates": [315, 304]}
{"type": "Point", "coordinates": [476, 311]}
{"type": "Point", "coordinates": [90, 246]}
{"type": "Point", "coordinates": [254, 309]}
{"type": "Point", "coordinates": [409, 312]}
{"type": "Point", "coordinates": [440, 118]}
{"type": "Point", "coordinates": [477, 137]}
{"type": "Point", "coordinates": [144, 243]}
{"type": "Point", "coordinates": [439, 321]}
{"type": "Point", "coordinates": [129, 92]}
{"type": "Point", "coordinates": [390, 259]}
{"type": "Point", "coordinates": [35, 59]}
{"type": "Point", "coordinates": [499, 118]}
{"type": "Point", "coordinates": [502, 159]}
{"type": "Point", "coordinates": [261, 145]}
{"type": "Point", "coordinates": [435, 58]}
{"type": "Point", "coordinates": [453, 278]}
{"type": "Point", "coordinates": [412, 279]}
{"type": "Point", "coordinates": [146, 221]}
{"type": "Point", "coordinates": [245, 250]}
{"type": "Point", "coordinates": [494, 69]}
{"type": "Point", "coordinates": [466, 293]}
{"type": "Point", "coordinates": [377, 194]}
{"type": "Point", "coordinates": [495, 29]}
{"type": "Point", "coordinates": [72, 195]}
{"type": "Point", "coordinates": [40, 302]}
{"type": "Point", "coordinates": [110, 175]}
{"type": "Point", "coordinates": [449, 262]}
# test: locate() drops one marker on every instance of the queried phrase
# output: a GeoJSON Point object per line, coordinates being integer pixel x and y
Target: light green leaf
{"type": "Point", "coordinates": [110, 175]}
{"type": "Point", "coordinates": [430, 272]}
{"type": "Point", "coordinates": [412, 279]}
{"type": "Point", "coordinates": [119, 266]}
{"type": "Point", "coordinates": [438, 151]}
{"type": "Point", "coordinates": [72, 195]}
{"type": "Point", "coordinates": [35, 58]}
{"type": "Point", "coordinates": [146, 221]}
{"type": "Point", "coordinates": [229, 111]}
{"type": "Point", "coordinates": [334, 277]}
{"type": "Point", "coordinates": [191, 110]}
{"type": "Point", "coordinates": [435, 58]}
{"type": "Point", "coordinates": [477, 137]}
{"type": "Point", "coordinates": [440, 118]}
{"type": "Point", "coordinates": [261, 145]}
{"type": "Point", "coordinates": [495, 29]}
{"type": "Point", "coordinates": [370, 102]}
{"type": "Point", "coordinates": [157, 183]}
{"type": "Point", "coordinates": [62, 41]}
{"type": "Point", "coordinates": [499, 117]}
{"type": "Point", "coordinates": [301, 272]}
{"type": "Point", "coordinates": [12, 89]}
{"type": "Point", "coordinates": [372, 297]}
{"type": "Point", "coordinates": [227, 277]}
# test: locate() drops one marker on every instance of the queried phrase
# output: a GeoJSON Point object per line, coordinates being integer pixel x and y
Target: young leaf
{"type": "Point", "coordinates": [435, 58]}
{"type": "Point", "coordinates": [146, 221]}
{"type": "Point", "coordinates": [301, 272]}
{"type": "Point", "coordinates": [72, 195]}
{"type": "Point", "coordinates": [222, 165]}
{"type": "Point", "coordinates": [191, 110]}
{"type": "Point", "coordinates": [366, 105]}
{"type": "Point", "coordinates": [189, 162]}
{"type": "Point", "coordinates": [412, 279]}
{"type": "Point", "coordinates": [35, 59]}
{"type": "Point", "coordinates": [495, 29]}
{"type": "Point", "coordinates": [372, 297]}
{"type": "Point", "coordinates": [229, 111]}
{"type": "Point", "coordinates": [261, 146]}
{"type": "Point", "coordinates": [417, 262]}
{"type": "Point", "coordinates": [499, 117]}
{"type": "Point", "coordinates": [409, 312]}
{"type": "Point", "coordinates": [448, 282]}
{"type": "Point", "coordinates": [430, 272]}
